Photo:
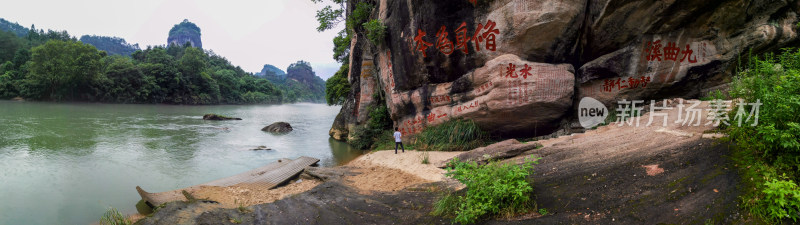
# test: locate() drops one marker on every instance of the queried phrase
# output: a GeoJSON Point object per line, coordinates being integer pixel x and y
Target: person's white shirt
{"type": "Point", "coordinates": [397, 136]}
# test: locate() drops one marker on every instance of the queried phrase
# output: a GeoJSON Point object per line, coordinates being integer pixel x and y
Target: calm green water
{"type": "Point", "coordinates": [67, 163]}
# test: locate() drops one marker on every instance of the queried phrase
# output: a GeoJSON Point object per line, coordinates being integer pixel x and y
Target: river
{"type": "Point", "coordinates": [67, 163]}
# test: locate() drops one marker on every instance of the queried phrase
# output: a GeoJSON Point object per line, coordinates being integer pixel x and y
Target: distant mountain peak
{"type": "Point", "coordinates": [112, 45]}
{"type": "Point", "coordinates": [185, 32]}
{"type": "Point", "coordinates": [270, 70]}
{"type": "Point", "coordinates": [19, 30]}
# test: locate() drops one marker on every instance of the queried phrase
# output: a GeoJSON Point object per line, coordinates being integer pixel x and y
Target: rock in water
{"type": "Point", "coordinates": [218, 117]}
{"type": "Point", "coordinates": [278, 127]}
{"type": "Point", "coordinates": [261, 148]}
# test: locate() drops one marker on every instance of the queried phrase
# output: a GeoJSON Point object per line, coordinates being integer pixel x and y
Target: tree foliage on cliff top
{"type": "Point", "coordinates": [185, 28]}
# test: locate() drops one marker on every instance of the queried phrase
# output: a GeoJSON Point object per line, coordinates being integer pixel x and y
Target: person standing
{"type": "Point", "coordinates": [397, 140]}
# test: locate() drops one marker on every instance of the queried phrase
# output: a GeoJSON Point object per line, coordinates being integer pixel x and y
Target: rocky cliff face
{"type": "Point", "coordinates": [185, 32]}
{"type": "Point", "coordinates": [519, 67]}
{"type": "Point", "coordinates": [271, 71]}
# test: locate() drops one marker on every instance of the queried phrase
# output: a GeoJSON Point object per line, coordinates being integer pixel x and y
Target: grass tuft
{"type": "Point", "coordinates": [453, 135]}
{"type": "Point", "coordinates": [114, 217]}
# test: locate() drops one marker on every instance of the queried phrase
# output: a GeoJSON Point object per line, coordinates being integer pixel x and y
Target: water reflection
{"type": "Point", "coordinates": [95, 154]}
{"type": "Point", "coordinates": [342, 152]}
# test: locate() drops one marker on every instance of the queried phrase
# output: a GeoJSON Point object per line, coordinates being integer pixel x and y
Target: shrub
{"type": "Point", "coordinates": [376, 31]}
{"type": "Point", "coordinates": [781, 199]}
{"type": "Point", "coordinates": [492, 189]}
{"type": "Point", "coordinates": [771, 146]}
{"type": "Point", "coordinates": [377, 128]}
{"type": "Point", "coordinates": [114, 217]}
{"type": "Point", "coordinates": [359, 15]}
{"type": "Point", "coordinates": [453, 135]}
{"type": "Point", "coordinates": [774, 82]}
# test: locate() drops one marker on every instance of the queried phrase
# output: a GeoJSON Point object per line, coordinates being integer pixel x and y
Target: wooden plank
{"type": "Point", "coordinates": [270, 176]}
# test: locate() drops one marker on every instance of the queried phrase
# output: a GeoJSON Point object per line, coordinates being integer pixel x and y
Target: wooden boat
{"type": "Point", "coordinates": [268, 176]}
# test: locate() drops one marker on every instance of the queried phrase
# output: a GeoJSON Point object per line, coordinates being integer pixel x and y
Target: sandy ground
{"type": "Point", "coordinates": [386, 171]}
{"type": "Point", "coordinates": [245, 194]}
{"type": "Point", "coordinates": [252, 194]}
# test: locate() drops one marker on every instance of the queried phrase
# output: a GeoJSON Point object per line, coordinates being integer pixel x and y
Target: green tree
{"type": "Point", "coordinates": [337, 87]}
{"type": "Point", "coordinates": [126, 83]}
{"type": "Point", "coordinates": [193, 61]}
{"type": "Point", "coordinates": [63, 69]}
{"type": "Point", "coordinates": [329, 17]}
{"type": "Point", "coordinates": [9, 43]}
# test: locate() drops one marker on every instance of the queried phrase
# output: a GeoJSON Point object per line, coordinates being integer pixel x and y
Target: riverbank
{"type": "Point", "coordinates": [614, 174]}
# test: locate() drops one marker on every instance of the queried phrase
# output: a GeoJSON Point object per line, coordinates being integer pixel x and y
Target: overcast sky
{"type": "Point", "coordinates": [248, 33]}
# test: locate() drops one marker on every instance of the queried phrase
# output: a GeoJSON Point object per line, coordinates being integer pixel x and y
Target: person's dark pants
{"type": "Point", "coordinates": [401, 146]}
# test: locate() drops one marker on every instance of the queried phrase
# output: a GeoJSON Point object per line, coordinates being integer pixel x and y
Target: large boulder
{"type": "Point", "coordinates": [519, 67]}
{"type": "Point", "coordinates": [278, 127]}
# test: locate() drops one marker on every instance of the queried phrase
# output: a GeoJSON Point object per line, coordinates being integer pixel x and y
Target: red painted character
{"type": "Point", "coordinates": [654, 51]}
{"type": "Point", "coordinates": [688, 54]}
{"type": "Point", "coordinates": [608, 85]}
{"type": "Point", "coordinates": [620, 84]}
{"type": "Point", "coordinates": [431, 117]}
{"type": "Point", "coordinates": [525, 71]}
{"type": "Point", "coordinates": [442, 43]}
{"type": "Point", "coordinates": [422, 45]}
{"type": "Point", "coordinates": [644, 80]}
{"type": "Point", "coordinates": [511, 71]}
{"type": "Point", "coordinates": [461, 38]}
{"type": "Point", "coordinates": [671, 52]}
{"type": "Point", "coordinates": [633, 82]}
{"type": "Point", "coordinates": [488, 35]}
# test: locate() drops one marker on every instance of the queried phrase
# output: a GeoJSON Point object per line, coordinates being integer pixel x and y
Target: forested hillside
{"type": "Point", "coordinates": [17, 29]}
{"type": "Point", "coordinates": [112, 45]}
{"type": "Point", "coordinates": [54, 66]}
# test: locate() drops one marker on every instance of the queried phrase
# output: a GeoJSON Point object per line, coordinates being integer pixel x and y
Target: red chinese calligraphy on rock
{"type": "Point", "coordinates": [671, 52]}
{"type": "Point", "coordinates": [461, 38]}
{"type": "Point", "coordinates": [654, 51]}
{"type": "Point", "coordinates": [511, 71]}
{"type": "Point", "coordinates": [462, 108]}
{"type": "Point", "coordinates": [525, 71]}
{"type": "Point", "coordinates": [518, 92]}
{"type": "Point", "coordinates": [444, 45]}
{"type": "Point", "coordinates": [483, 88]}
{"type": "Point", "coordinates": [687, 54]}
{"type": "Point", "coordinates": [421, 45]}
{"type": "Point", "coordinates": [620, 84]}
{"type": "Point", "coordinates": [487, 36]}
{"type": "Point", "coordinates": [438, 99]}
